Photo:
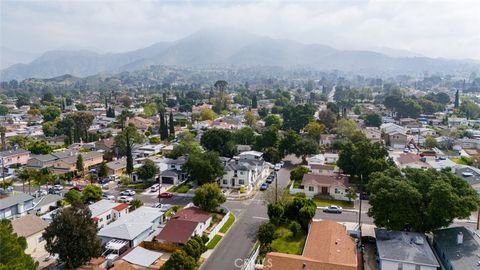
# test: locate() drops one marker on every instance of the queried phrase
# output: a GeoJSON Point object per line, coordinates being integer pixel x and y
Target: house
{"type": "Point", "coordinates": [200, 108]}
{"type": "Point", "coordinates": [44, 204]}
{"type": "Point", "coordinates": [331, 158]}
{"type": "Point", "coordinates": [185, 224]}
{"type": "Point", "coordinates": [147, 150]}
{"type": "Point", "coordinates": [243, 172]}
{"type": "Point", "coordinates": [116, 167]}
{"type": "Point", "coordinates": [404, 250]}
{"type": "Point", "coordinates": [140, 123]}
{"type": "Point", "coordinates": [105, 144]}
{"type": "Point", "coordinates": [317, 159]}
{"type": "Point", "coordinates": [334, 185]}
{"type": "Point", "coordinates": [457, 121]}
{"type": "Point", "coordinates": [322, 168]}
{"type": "Point", "coordinates": [133, 227]}
{"type": "Point", "coordinates": [327, 247]}
{"type": "Point", "coordinates": [470, 174]}
{"type": "Point", "coordinates": [32, 227]}
{"type": "Point", "coordinates": [142, 258]}
{"type": "Point", "coordinates": [373, 134]}
{"type": "Point", "coordinates": [395, 135]}
{"type": "Point", "coordinates": [69, 164]}
{"type": "Point", "coordinates": [13, 157]}
{"type": "Point", "coordinates": [410, 160]}
{"type": "Point", "coordinates": [456, 248]}
{"type": "Point", "coordinates": [251, 155]}
{"type": "Point", "coordinates": [106, 211]}
{"type": "Point", "coordinates": [327, 139]}
{"type": "Point", "coordinates": [14, 204]}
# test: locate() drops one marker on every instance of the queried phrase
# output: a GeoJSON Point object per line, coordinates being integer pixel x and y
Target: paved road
{"type": "Point", "coordinates": [343, 217]}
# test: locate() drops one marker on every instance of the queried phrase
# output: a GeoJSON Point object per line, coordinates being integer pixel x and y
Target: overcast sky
{"type": "Point", "coordinates": [433, 28]}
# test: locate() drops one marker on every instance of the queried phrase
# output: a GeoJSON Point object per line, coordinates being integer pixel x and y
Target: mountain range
{"type": "Point", "coordinates": [237, 48]}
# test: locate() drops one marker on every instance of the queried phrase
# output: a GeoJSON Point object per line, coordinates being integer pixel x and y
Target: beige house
{"type": "Point", "coordinates": [31, 227]}
{"type": "Point", "coordinates": [12, 157]}
{"type": "Point", "coordinates": [373, 134]}
{"type": "Point", "coordinates": [333, 185]}
{"type": "Point", "coordinates": [69, 164]}
{"type": "Point", "coordinates": [117, 167]}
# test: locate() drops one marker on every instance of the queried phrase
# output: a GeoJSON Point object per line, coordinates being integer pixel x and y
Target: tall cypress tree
{"type": "Point", "coordinates": [163, 127]}
{"type": "Point", "coordinates": [457, 99]}
{"type": "Point", "coordinates": [171, 125]}
{"type": "Point", "coordinates": [129, 152]}
{"type": "Point", "coordinates": [254, 101]}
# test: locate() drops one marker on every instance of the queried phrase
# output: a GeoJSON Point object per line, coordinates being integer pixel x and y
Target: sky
{"type": "Point", "coordinates": [448, 29]}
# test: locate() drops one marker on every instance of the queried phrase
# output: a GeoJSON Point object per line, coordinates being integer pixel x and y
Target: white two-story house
{"type": "Point", "coordinates": [245, 170]}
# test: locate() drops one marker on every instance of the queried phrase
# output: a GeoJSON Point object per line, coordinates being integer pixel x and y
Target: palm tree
{"type": "Point", "coordinates": [3, 130]}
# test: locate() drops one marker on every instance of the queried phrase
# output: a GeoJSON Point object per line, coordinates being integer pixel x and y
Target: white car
{"type": "Point", "coordinates": [277, 167]}
{"type": "Point", "coordinates": [108, 197]}
{"type": "Point", "coordinates": [58, 187]}
{"type": "Point", "coordinates": [155, 188]}
{"type": "Point", "coordinates": [127, 192]}
{"type": "Point", "coordinates": [41, 192]}
{"type": "Point", "coordinates": [125, 199]}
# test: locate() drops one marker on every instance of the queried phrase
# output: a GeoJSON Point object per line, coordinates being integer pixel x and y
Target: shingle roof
{"type": "Point", "coordinates": [177, 231]}
{"type": "Point", "coordinates": [193, 214]}
{"type": "Point", "coordinates": [324, 179]}
{"type": "Point", "coordinates": [461, 256]}
{"type": "Point", "coordinates": [28, 225]}
{"type": "Point", "coordinates": [13, 199]}
{"type": "Point", "coordinates": [13, 152]}
{"type": "Point", "coordinates": [404, 247]}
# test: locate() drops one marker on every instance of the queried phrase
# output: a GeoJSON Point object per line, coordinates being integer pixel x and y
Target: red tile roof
{"type": "Point", "coordinates": [192, 214]}
{"type": "Point", "coordinates": [177, 231]}
{"type": "Point", "coordinates": [120, 207]}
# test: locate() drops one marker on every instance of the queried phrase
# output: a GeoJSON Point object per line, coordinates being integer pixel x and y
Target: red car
{"type": "Point", "coordinates": [77, 188]}
{"type": "Point", "coordinates": [165, 195]}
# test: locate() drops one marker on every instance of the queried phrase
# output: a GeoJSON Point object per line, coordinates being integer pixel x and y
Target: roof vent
{"type": "Point", "coordinates": [459, 238]}
{"type": "Point", "coordinates": [418, 240]}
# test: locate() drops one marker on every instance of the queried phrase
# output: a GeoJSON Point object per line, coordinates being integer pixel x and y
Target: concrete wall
{"type": "Point", "coordinates": [392, 265]}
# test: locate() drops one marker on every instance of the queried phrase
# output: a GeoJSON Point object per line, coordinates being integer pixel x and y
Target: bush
{"type": "Point", "coordinates": [275, 213]}
{"type": "Point", "coordinates": [295, 228]}
{"type": "Point", "coordinates": [297, 173]}
{"type": "Point", "coordinates": [266, 233]}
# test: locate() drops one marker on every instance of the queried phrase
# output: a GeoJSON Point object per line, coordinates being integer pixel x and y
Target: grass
{"type": "Point", "coordinates": [285, 242]}
{"type": "Point", "coordinates": [169, 211]}
{"type": "Point", "coordinates": [462, 161]}
{"type": "Point", "coordinates": [327, 202]}
{"type": "Point", "coordinates": [214, 242]}
{"type": "Point", "coordinates": [228, 224]}
{"type": "Point", "coordinates": [180, 189]}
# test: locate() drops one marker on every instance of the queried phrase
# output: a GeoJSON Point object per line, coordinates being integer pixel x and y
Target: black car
{"type": "Point", "coordinates": [269, 180]}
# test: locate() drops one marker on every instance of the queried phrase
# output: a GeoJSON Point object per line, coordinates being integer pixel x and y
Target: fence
{"type": "Point", "coordinates": [250, 262]}
{"type": "Point", "coordinates": [217, 228]}
{"type": "Point", "coordinates": [294, 191]}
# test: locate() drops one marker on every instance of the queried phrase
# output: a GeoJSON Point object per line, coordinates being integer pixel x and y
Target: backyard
{"type": "Point", "coordinates": [285, 242]}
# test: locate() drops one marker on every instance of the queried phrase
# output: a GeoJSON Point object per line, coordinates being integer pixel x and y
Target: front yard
{"type": "Point", "coordinates": [212, 244]}
{"type": "Point", "coordinates": [323, 202]}
{"type": "Point", "coordinates": [285, 242]}
{"type": "Point", "coordinates": [184, 188]}
{"type": "Point", "coordinates": [228, 224]}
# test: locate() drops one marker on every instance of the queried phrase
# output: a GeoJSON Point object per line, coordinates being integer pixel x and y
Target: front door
{"type": "Point", "coordinates": [233, 182]}
{"type": "Point", "coordinates": [324, 190]}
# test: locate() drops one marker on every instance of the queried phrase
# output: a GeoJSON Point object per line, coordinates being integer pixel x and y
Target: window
{"type": "Point", "coordinates": [337, 191]}
{"type": "Point", "coordinates": [109, 217]}
{"type": "Point", "coordinates": [241, 182]}
{"type": "Point", "coordinates": [225, 181]}
{"type": "Point", "coordinates": [40, 239]}
{"type": "Point", "coordinates": [241, 173]}
{"type": "Point", "coordinates": [400, 266]}
{"type": "Point", "coordinates": [417, 267]}
{"type": "Point", "coordinates": [310, 188]}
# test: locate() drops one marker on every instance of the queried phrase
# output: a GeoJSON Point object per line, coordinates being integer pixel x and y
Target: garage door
{"type": "Point", "coordinates": [167, 180]}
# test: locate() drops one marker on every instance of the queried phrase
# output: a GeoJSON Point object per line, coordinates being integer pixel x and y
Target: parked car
{"type": "Point", "coordinates": [125, 199]}
{"type": "Point", "coordinates": [41, 192]}
{"type": "Point", "coordinates": [77, 188]}
{"type": "Point", "coordinates": [269, 180]}
{"type": "Point", "coordinates": [264, 186]}
{"type": "Point", "coordinates": [277, 167]}
{"type": "Point", "coordinates": [53, 191]}
{"type": "Point", "coordinates": [155, 188]}
{"type": "Point", "coordinates": [128, 192]}
{"type": "Point", "coordinates": [165, 195]}
{"type": "Point", "coordinates": [58, 187]}
{"type": "Point", "coordinates": [107, 196]}
{"type": "Point", "coordinates": [333, 209]}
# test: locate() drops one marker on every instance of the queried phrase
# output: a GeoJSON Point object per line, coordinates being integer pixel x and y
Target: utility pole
{"type": "Point", "coordinates": [360, 217]}
{"type": "Point", "coordinates": [276, 186]}
{"type": "Point", "coordinates": [478, 218]}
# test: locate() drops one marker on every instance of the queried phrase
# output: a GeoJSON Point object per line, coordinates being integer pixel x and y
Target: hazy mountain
{"type": "Point", "coordinates": [233, 48]}
{"type": "Point", "coordinates": [9, 57]}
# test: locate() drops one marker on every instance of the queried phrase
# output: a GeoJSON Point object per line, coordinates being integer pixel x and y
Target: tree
{"type": "Point", "coordinates": [208, 197]}
{"type": "Point", "coordinates": [300, 209]}
{"type": "Point", "coordinates": [272, 155]}
{"type": "Point", "coordinates": [295, 228]}
{"type": "Point", "coordinates": [136, 203]}
{"type": "Point", "coordinates": [19, 141]}
{"type": "Point", "coordinates": [12, 249]}
{"type": "Point", "coordinates": [273, 120]}
{"type": "Point", "coordinates": [92, 193]}
{"type": "Point", "coordinates": [126, 139]}
{"type": "Point", "coordinates": [203, 167]}
{"type": "Point", "coordinates": [102, 170]}
{"type": "Point", "coordinates": [220, 141]}
{"type": "Point", "coordinates": [207, 114]}
{"type": "Point", "coordinates": [73, 236]}
{"type": "Point", "coordinates": [39, 147]}
{"type": "Point", "coordinates": [73, 196]}
{"type": "Point", "coordinates": [195, 247]}
{"type": "Point", "coordinates": [430, 142]}
{"type": "Point", "coordinates": [3, 110]}
{"type": "Point", "coordinates": [263, 112]}
{"type": "Point", "coordinates": [51, 113]}
{"type": "Point", "coordinates": [249, 119]}
{"type": "Point", "coordinates": [296, 117]}
{"type": "Point", "coordinates": [3, 130]}
{"type": "Point", "coordinates": [180, 260]}
{"type": "Point", "coordinates": [126, 101]}
{"type": "Point", "coordinates": [351, 194]}
{"type": "Point", "coordinates": [22, 100]}
{"type": "Point", "coordinates": [266, 234]}
{"type": "Point", "coordinates": [254, 101]}
{"type": "Point", "coordinates": [457, 99]}
{"type": "Point", "coordinates": [419, 200]}
{"type": "Point", "coordinates": [269, 138]}
{"type": "Point", "coordinates": [187, 146]}
{"type": "Point", "coordinates": [469, 109]}
{"type": "Point", "coordinates": [328, 118]}
{"type": "Point", "coordinates": [81, 107]}
{"type": "Point", "coordinates": [275, 213]}
{"type": "Point", "coordinates": [314, 130]}
{"type": "Point", "coordinates": [79, 164]}
{"type": "Point", "coordinates": [345, 128]}
{"type": "Point", "coordinates": [244, 136]}
{"type": "Point", "coordinates": [373, 120]}
{"type": "Point", "coordinates": [148, 170]}
{"type": "Point", "coordinates": [171, 125]}
{"type": "Point", "coordinates": [221, 99]}
{"type": "Point", "coordinates": [297, 173]}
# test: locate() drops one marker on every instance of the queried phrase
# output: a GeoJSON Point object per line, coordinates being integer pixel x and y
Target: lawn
{"type": "Point", "coordinates": [169, 211]}
{"type": "Point", "coordinates": [462, 161]}
{"type": "Point", "coordinates": [180, 189]}
{"type": "Point", "coordinates": [228, 224]}
{"type": "Point", "coordinates": [286, 243]}
{"type": "Point", "coordinates": [327, 202]}
{"type": "Point", "coordinates": [214, 242]}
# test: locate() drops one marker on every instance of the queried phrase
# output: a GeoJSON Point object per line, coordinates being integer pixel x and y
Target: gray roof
{"type": "Point", "coordinates": [101, 207]}
{"type": "Point", "coordinates": [13, 152]}
{"type": "Point", "coordinates": [45, 200]}
{"type": "Point", "coordinates": [44, 158]}
{"type": "Point", "coordinates": [14, 198]}
{"type": "Point", "coordinates": [472, 180]}
{"type": "Point", "coordinates": [404, 247]}
{"type": "Point", "coordinates": [142, 257]}
{"type": "Point", "coordinates": [171, 173]}
{"type": "Point", "coordinates": [117, 164]}
{"type": "Point", "coordinates": [460, 256]}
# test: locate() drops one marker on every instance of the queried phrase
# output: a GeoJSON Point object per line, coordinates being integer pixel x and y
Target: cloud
{"type": "Point", "coordinates": [434, 28]}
